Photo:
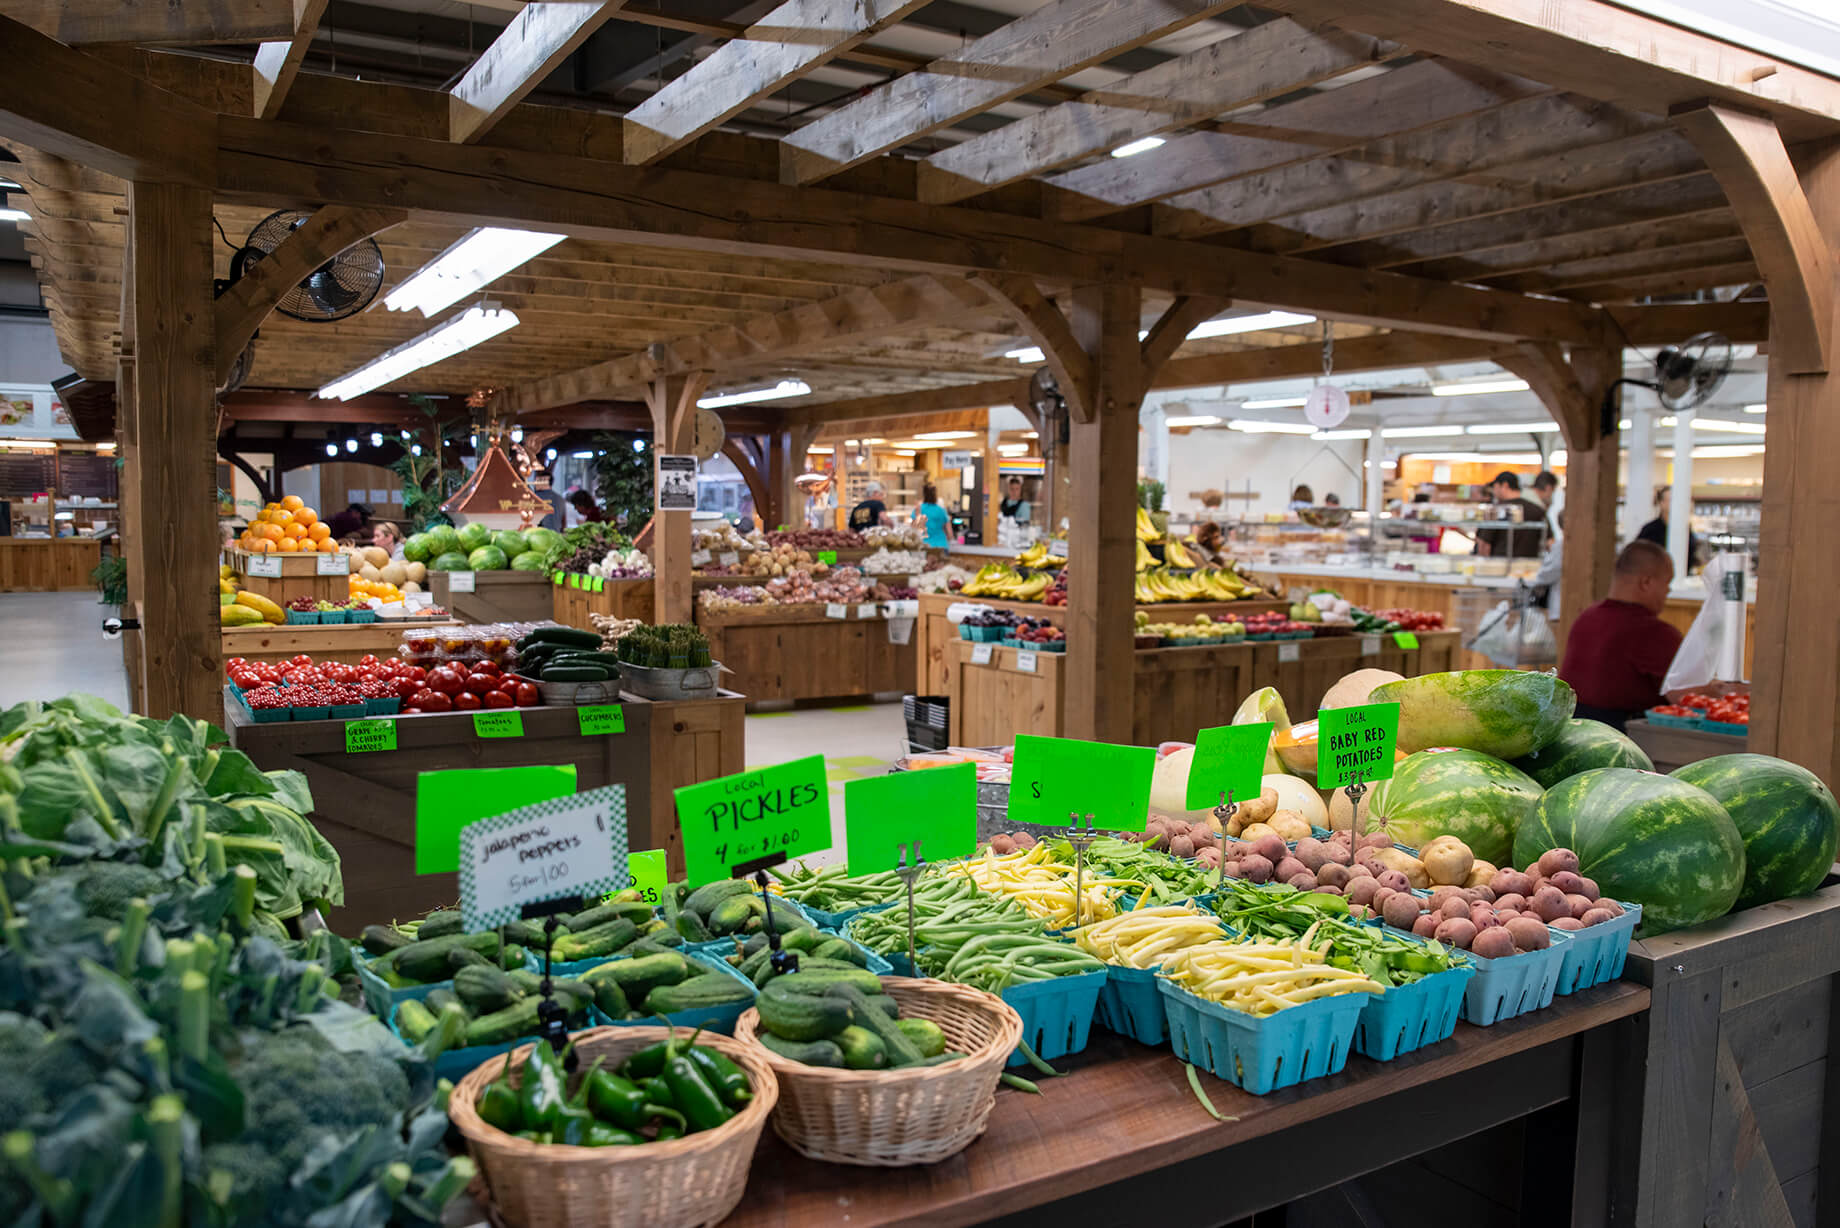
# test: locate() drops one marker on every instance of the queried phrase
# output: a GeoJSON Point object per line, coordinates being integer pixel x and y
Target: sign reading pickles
{"type": "Point", "coordinates": [1355, 745]}
{"type": "Point", "coordinates": [767, 815]}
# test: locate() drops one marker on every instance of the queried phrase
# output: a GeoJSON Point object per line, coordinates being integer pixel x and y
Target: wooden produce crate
{"type": "Point", "coordinates": [496, 596]}
{"type": "Point", "coordinates": [1736, 1069]}
{"type": "Point", "coordinates": [798, 652]}
{"type": "Point", "coordinates": [571, 606]}
{"type": "Point", "coordinates": [991, 704]}
{"type": "Point", "coordinates": [299, 577]}
{"type": "Point", "coordinates": [692, 740]}
{"type": "Point", "coordinates": [1672, 748]}
{"type": "Point", "coordinates": [347, 643]}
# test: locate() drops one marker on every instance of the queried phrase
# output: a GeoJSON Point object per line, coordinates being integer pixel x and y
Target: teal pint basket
{"type": "Point", "coordinates": [383, 998]}
{"type": "Point", "coordinates": [346, 712]}
{"type": "Point", "coordinates": [1057, 1014]}
{"type": "Point", "coordinates": [1131, 1005]}
{"type": "Point", "coordinates": [1596, 955]}
{"type": "Point", "coordinates": [1261, 1054]}
{"type": "Point", "coordinates": [1504, 988]}
{"type": "Point", "coordinates": [388, 706]}
{"type": "Point", "coordinates": [332, 618]}
{"type": "Point", "coordinates": [833, 922]}
{"type": "Point", "coordinates": [1408, 1017]}
{"type": "Point", "coordinates": [897, 961]}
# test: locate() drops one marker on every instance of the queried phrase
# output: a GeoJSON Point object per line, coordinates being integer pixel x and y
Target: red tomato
{"type": "Point", "coordinates": [528, 696]}
{"type": "Point", "coordinates": [498, 699]}
{"type": "Point", "coordinates": [300, 659]}
{"type": "Point", "coordinates": [435, 701]}
{"type": "Point", "coordinates": [233, 661]}
{"type": "Point", "coordinates": [486, 667]}
{"type": "Point", "coordinates": [509, 684]}
{"type": "Point", "coordinates": [408, 688]}
{"type": "Point", "coordinates": [413, 711]}
{"type": "Point", "coordinates": [479, 684]}
{"type": "Point", "coordinates": [368, 658]}
{"type": "Point", "coordinates": [446, 681]}
{"type": "Point", "coordinates": [467, 701]}
{"type": "Point", "coordinates": [416, 672]}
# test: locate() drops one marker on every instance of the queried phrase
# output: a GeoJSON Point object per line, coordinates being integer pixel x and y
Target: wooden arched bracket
{"type": "Point", "coordinates": [242, 308]}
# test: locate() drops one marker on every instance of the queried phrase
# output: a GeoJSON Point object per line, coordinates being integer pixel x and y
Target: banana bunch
{"type": "Point", "coordinates": [1224, 584]}
{"type": "Point", "coordinates": [1003, 581]}
{"type": "Point", "coordinates": [1037, 557]}
{"type": "Point", "coordinates": [1146, 527]}
{"type": "Point", "coordinates": [1145, 560]}
{"type": "Point", "coordinates": [1177, 554]}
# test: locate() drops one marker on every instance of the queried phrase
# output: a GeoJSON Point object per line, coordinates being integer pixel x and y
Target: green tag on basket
{"type": "Point", "coordinates": [828, 557]}
{"type": "Point", "coordinates": [1405, 639]}
{"type": "Point", "coordinates": [447, 801]}
{"type": "Point", "coordinates": [1055, 778]}
{"type": "Point", "coordinates": [598, 720]}
{"type": "Point", "coordinates": [600, 584]}
{"type": "Point", "coordinates": [557, 577]}
{"type": "Point", "coordinates": [648, 875]}
{"type": "Point", "coordinates": [935, 808]}
{"type": "Point", "coordinates": [1355, 744]}
{"type": "Point", "coordinates": [777, 812]}
{"type": "Point", "coordinates": [501, 724]}
{"type": "Point", "coordinates": [361, 736]}
{"type": "Point", "coordinates": [574, 579]}
{"type": "Point", "coordinates": [1228, 759]}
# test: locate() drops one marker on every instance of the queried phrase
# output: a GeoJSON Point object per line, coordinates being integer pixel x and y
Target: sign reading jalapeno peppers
{"type": "Point", "coordinates": [770, 813]}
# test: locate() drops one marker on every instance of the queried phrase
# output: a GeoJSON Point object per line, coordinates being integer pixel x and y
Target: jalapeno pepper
{"type": "Point", "coordinates": [657, 1091]}
{"type": "Point", "coordinates": [541, 1095]}
{"type": "Point", "coordinates": [571, 1126]}
{"type": "Point", "coordinates": [624, 1103]}
{"type": "Point", "coordinates": [649, 1062]}
{"type": "Point", "coordinates": [667, 1133]}
{"type": "Point", "coordinates": [723, 1075]}
{"type": "Point", "coordinates": [498, 1103]}
{"type": "Point", "coordinates": [611, 1136]}
{"type": "Point", "coordinates": [695, 1099]}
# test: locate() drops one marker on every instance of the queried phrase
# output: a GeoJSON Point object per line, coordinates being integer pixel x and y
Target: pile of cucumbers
{"type": "Point", "coordinates": [432, 950]}
{"type": "Point", "coordinates": [665, 983]}
{"type": "Point", "coordinates": [816, 950]}
{"type": "Point", "coordinates": [620, 925]}
{"type": "Point", "coordinates": [729, 906]}
{"type": "Point", "coordinates": [490, 1006]}
{"type": "Point", "coordinates": [840, 1017]}
{"type": "Point", "coordinates": [565, 654]}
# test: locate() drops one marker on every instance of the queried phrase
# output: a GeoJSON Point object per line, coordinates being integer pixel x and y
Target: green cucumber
{"type": "Point", "coordinates": [500, 1026]}
{"type": "Point", "coordinates": [414, 1020]}
{"type": "Point", "coordinates": [525, 980]}
{"type": "Point", "coordinates": [638, 977]}
{"type": "Point", "coordinates": [426, 959]}
{"type": "Point", "coordinates": [463, 957]}
{"type": "Point", "coordinates": [382, 939]}
{"type": "Point", "coordinates": [901, 1050]}
{"type": "Point", "coordinates": [820, 976]}
{"type": "Point", "coordinates": [841, 950]}
{"type": "Point", "coordinates": [439, 924]}
{"type": "Point", "coordinates": [484, 990]}
{"type": "Point", "coordinates": [811, 1053]}
{"type": "Point", "coordinates": [690, 928]}
{"type": "Point", "coordinates": [522, 933]}
{"type": "Point", "coordinates": [792, 1015]}
{"type": "Point", "coordinates": [732, 915]}
{"type": "Point", "coordinates": [926, 1035]}
{"type": "Point", "coordinates": [574, 673]}
{"type": "Point", "coordinates": [706, 897]}
{"type": "Point", "coordinates": [571, 636]}
{"type": "Point", "coordinates": [512, 957]}
{"type": "Point", "coordinates": [862, 1049]}
{"type": "Point", "coordinates": [698, 992]}
{"type": "Point", "coordinates": [436, 1000]}
{"type": "Point", "coordinates": [592, 943]}
{"type": "Point", "coordinates": [609, 997]}
{"type": "Point", "coordinates": [604, 914]}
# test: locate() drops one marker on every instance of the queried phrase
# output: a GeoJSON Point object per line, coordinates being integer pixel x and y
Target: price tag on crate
{"type": "Point", "coordinates": [866, 610]}
{"type": "Point", "coordinates": [1025, 660]}
{"type": "Point", "coordinates": [728, 558]}
{"type": "Point", "coordinates": [600, 584]}
{"type": "Point", "coordinates": [575, 578]}
{"type": "Point", "coordinates": [598, 720]}
{"type": "Point", "coordinates": [504, 723]}
{"type": "Point", "coordinates": [363, 736]}
{"type": "Point", "coordinates": [836, 609]}
{"type": "Point", "coordinates": [980, 653]}
{"type": "Point", "coordinates": [699, 558]}
{"type": "Point", "coordinates": [1406, 640]}
{"type": "Point", "coordinates": [268, 565]}
{"type": "Point", "coordinates": [1288, 652]}
{"type": "Point", "coordinates": [331, 565]}
{"type": "Point", "coordinates": [936, 808]}
{"type": "Point", "coordinates": [648, 875]}
{"type": "Point", "coordinates": [569, 846]}
{"type": "Point", "coordinates": [1355, 744]}
{"type": "Point", "coordinates": [556, 578]}
{"type": "Point", "coordinates": [828, 557]}
{"type": "Point", "coordinates": [1230, 760]}
{"type": "Point", "coordinates": [1370, 645]}
{"type": "Point", "coordinates": [445, 802]}
{"type": "Point", "coordinates": [462, 581]}
{"type": "Point", "coordinates": [1053, 778]}
{"type": "Point", "coordinates": [764, 816]}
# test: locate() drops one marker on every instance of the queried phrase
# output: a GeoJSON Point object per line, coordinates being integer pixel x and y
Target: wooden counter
{"type": "Point", "coordinates": [48, 564]}
{"type": "Point", "coordinates": [497, 596]}
{"type": "Point", "coordinates": [777, 652]}
{"type": "Point", "coordinates": [347, 643]}
{"type": "Point", "coordinates": [1671, 748]}
{"type": "Point", "coordinates": [572, 606]}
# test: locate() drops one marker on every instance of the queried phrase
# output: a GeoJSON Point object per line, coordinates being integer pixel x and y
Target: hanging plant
{"type": "Point", "coordinates": [623, 479]}
{"type": "Point", "coordinates": [425, 485]}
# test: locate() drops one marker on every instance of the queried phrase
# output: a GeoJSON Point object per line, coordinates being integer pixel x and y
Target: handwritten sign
{"type": "Point", "coordinates": [699, 558]}
{"type": "Point", "coordinates": [1355, 744]}
{"type": "Point", "coordinates": [836, 609]}
{"type": "Point", "coordinates": [553, 850]}
{"type": "Point", "coordinates": [1406, 640]}
{"type": "Point", "coordinates": [777, 813]}
{"type": "Point", "coordinates": [364, 736]}
{"type": "Point", "coordinates": [866, 610]}
{"type": "Point", "coordinates": [728, 558]}
{"type": "Point", "coordinates": [266, 565]}
{"type": "Point", "coordinates": [1228, 759]}
{"type": "Point", "coordinates": [331, 565]}
{"type": "Point", "coordinates": [445, 802]}
{"type": "Point", "coordinates": [1053, 778]}
{"type": "Point", "coordinates": [598, 720]}
{"type": "Point", "coordinates": [1025, 660]}
{"type": "Point", "coordinates": [505, 723]}
{"type": "Point", "coordinates": [648, 875]}
{"type": "Point", "coordinates": [936, 807]}
{"type": "Point", "coordinates": [462, 581]}
{"type": "Point", "coordinates": [980, 653]}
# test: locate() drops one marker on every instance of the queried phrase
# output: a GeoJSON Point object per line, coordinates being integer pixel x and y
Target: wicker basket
{"type": "Point", "coordinates": [678, 1184]}
{"type": "Point", "coordinates": [890, 1118]}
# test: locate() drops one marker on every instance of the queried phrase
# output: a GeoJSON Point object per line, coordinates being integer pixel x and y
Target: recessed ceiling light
{"type": "Point", "coordinates": [1141, 145]}
{"type": "Point", "coordinates": [1479, 388]}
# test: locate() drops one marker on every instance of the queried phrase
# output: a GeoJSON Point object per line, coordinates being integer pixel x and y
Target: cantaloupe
{"type": "Point", "coordinates": [394, 572]}
{"type": "Point", "coordinates": [376, 556]}
{"type": "Point", "coordinates": [418, 572]}
{"type": "Point", "coordinates": [370, 573]}
{"type": "Point", "coordinates": [410, 586]}
{"type": "Point", "coordinates": [1354, 688]}
{"type": "Point", "coordinates": [1296, 794]}
{"type": "Point", "coordinates": [357, 561]}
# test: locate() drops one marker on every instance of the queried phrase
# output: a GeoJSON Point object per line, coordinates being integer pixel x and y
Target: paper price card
{"type": "Point", "coordinates": [729, 558]}
{"type": "Point", "coordinates": [1355, 744]}
{"type": "Point", "coordinates": [1370, 645]}
{"type": "Point", "coordinates": [557, 578]}
{"type": "Point", "coordinates": [598, 720]}
{"type": "Point", "coordinates": [462, 581]}
{"type": "Point", "coordinates": [574, 579]}
{"type": "Point", "coordinates": [1025, 660]}
{"type": "Point", "coordinates": [648, 875]}
{"type": "Point", "coordinates": [571, 846]}
{"type": "Point", "coordinates": [445, 802]}
{"type": "Point", "coordinates": [500, 724]}
{"type": "Point", "coordinates": [331, 565]}
{"type": "Point", "coordinates": [980, 653]}
{"type": "Point", "coordinates": [836, 609]}
{"type": "Point", "coordinates": [936, 807]}
{"type": "Point", "coordinates": [771, 813]}
{"type": "Point", "coordinates": [1229, 759]}
{"type": "Point", "coordinates": [267, 565]}
{"type": "Point", "coordinates": [866, 610]}
{"type": "Point", "coordinates": [1405, 639]}
{"type": "Point", "coordinates": [1053, 778]}
{"type": "Point", "coordinates": [361, 736]}
{"type": "Point", "coordinates": [699, 558]}
{"type": "Point", "coordinates": [600, 584]}
{"type": "Point", "coordinates": [1289, 652]}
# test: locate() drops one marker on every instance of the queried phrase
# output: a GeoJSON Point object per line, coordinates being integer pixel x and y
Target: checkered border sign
{"type": "Point", "coordinates": [611, 798]}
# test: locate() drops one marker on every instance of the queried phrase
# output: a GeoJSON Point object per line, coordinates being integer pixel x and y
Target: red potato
{"type": "Point", "coordinates": [1441, 896]}
{"type": "Point", "coordinates": [1376, 840]}
{"type": "Point", "coordinates": [1303, 882]}
{"type": "Point", "coordinates": [1394, 879]}
{"type": "Point", "coordinates": [1590, 888]}
{"type": "Point", "coordinates": [1337, 853]}
{"type": "Point", "coordinates": [1425, 926]}
{"type": "Point", "coordinates": [1493, 943]}
{"type": "Point", "coordinates": [1271, 847]}
{"type": "Point", "coordinates": [1610, 906]}
{"type": "Point", "coordinates": [1511, 882]}
{"type": "Point", "coordinates": [1577, 906]}
{"type": "Point", "coordinates": [1327, 890]}
{"type": "Point", "coordinates": [1568, 923]}
{"type": "Point", "coordinates": [1362, 869]}
{"type": "Point", "coordinates": [1549, 904]}
{"type": "Point", "coordinates": [1181, 846]}
{"type": "Point", "coordinates": [1312, 853]}
{"type": "Point", "coordinates": [1256, 867]}
{"type": "Point", "coordinates": [1484, 893]}
{"type": "Point", "coordinates": [1568, 882]}
{"type": "Point", "coordinates": [1333, 875]}
{"type": "Point", "coordinates": [1381, 896]}
{"type": "Point", "coordinates": [1290, 868]}
{"type": "Point", "coordinates": [1528, 934]}
{"type": "Point", "coordinates": [1552, 861]}
{"type": "Point", "coordinates": [1456, 932]}
{"type": "Point", "coordinates": [1361, 890]}
{"type": "Point", "coordinates": [1596, 916]}
{"type": "Point", "coordinates": [1400, 910]}
{"type": "Point", "coordinates": [1454, 908]}
{"type": "Point", "coordinates": [1209, 857]}
{"type": "Point", "coordinates": [1505, 915]}
{"type": "Point", "coordinates": [1023, 840]}
{"type": "Point", "coordinates": [1512, 900]}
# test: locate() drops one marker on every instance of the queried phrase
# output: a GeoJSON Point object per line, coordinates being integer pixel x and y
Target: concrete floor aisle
{"type": "Point", "coordinates": [51, 645]}
{"type": "Point", "coordinates": [856, 740]}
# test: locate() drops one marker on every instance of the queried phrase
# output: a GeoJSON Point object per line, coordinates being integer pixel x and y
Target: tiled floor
{"type": "Point", "coordinates": [856, 740]}
{"type": "Point", "coordinates": [51, 644]}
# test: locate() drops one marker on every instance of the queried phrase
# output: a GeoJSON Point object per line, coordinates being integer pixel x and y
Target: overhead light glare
{"type": "Point", "coordinates": [415, 449]}
{"type": "Point", "coordinates": [1013, 449]}
{"type": "Point", "coordinates": [332, 449]}
{"type": "Point", "coordinates": [351, 445]}
{"type": "Point", "coordinates": [1756, 409]}
{"type": "Point", "coordinates": [821, 449]}
{"type": "Point", "coordinates": [376, 439]}
{"type": "Point", "coordinates": [1192, 420]}
{"type": "Point", "coordinates": [1479, 388]}
{"type": "Point", "coordinates": [462, 332]}
{"type": "Point", "coordinates": [479, 258]}
{"type": "Point", "coordinates": [582, 455]}
{"type": "Point", "coordinates": [1248, 324]}
{"type": "Point", "coordinates": [1513, 428]}
{"type": "Point", "coordinates": [747, 396]}
{"type": "Point", "coordinates": [1344, 434]}
{"type": "Point", "coordinates": [1141, 145]}
{"type": "Point", "coordinates": [14, 215]}
{"type": "Point", "coordinates": [1727, 451]}
{"type": "Point", "coordinates": [1252, 426]}
{"type": "Point", "coordinates": [1419, 432]}
{"type": "Point", "coordinates": [948, 435]}
{"type": "Point", "coordinates": [1733, 428]}
{"type": "Point", "coordinates": [1274, 403]}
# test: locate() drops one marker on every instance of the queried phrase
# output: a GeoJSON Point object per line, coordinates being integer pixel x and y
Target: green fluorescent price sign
{"type": "Point", "coordinates": [447, 801]}
{"type": "Point", "coordinates": [648, 875]}
{"type": "Point", "coordinates": [501, 724]}
{"type": "Point", "coordinates": [361, 736]}
{"type": "Point", "coordinates": [771, 813]}
{"type": "Point", "coordinates": [1406, 640]}
{"type": "Point", "coordinates": [1054, 778]}
{"type": "Point", "coordinates": [600, 584]}
{"type": "Point", "coordinates": [936, 808]}
{"type": "Point", "coordinates": [600, 719]}
{"type": "Point", "coordinates": [574, 579]}
{"type": "Point", "coordinates": [1355, 744]}
{"type": "Point", "coordinates": [557, 577]}
{"type": "Point", "coordinates": [1228, 760]}
{"type": "Point", "coordinates": [828, 556]}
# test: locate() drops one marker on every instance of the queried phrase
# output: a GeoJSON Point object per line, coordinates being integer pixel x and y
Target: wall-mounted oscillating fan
{"type": "Point", "coordinates": [1686, 375]}
{"type": "Point", "coordinates": [1051, 407]}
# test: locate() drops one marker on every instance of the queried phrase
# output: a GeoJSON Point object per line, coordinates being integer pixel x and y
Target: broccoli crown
{"type": "Point", "coordinates": [297, 1087]}
{"type": "Point", "coordinates": [105, 887]}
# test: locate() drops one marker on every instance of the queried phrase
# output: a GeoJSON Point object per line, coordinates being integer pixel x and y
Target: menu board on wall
{"type": "Point", "coordinates": [23, 475]}
{"type": "Point", "coordinates": [84, 475]}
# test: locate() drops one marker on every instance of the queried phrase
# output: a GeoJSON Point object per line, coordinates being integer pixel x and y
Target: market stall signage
{"type": "Point", "coordinates": [598, 720]}
{"type": "Point", "coordinates": [600, 584]}
{"type": "Point", "coordinates": [836, 609]}
{"type": "Point", "coordinates": [1025, 660]}
{"type": "Point", "coordinates": [462, 581]}
{"type": "Point", "coordinates": [1355, 744]}
{"type": "Point", "coordinates": [445, 802]}
{"type": "Point", "coordinates": [566, 847]}
{"type": "Point", "coordinates": [557, 578]}
{"type": "Point", "coordinates": [501, 724]}
{"type": "Point", "coordinates": [1370, 645]}
{"type": "Point", "coordinates": [866, 610]}
{"type": "Point", "coordinates": [1229, 760]}
{"type": "Point", "coordinates": [676, 483]}
{"type": "Point", "coordinates": [980, 653]}
{"type": "Point", "coordinates": [1054, 778]}
{"type": "Point", "coordinates": [362, 736]}
{"type": "Point", "coordinates": [268, 565]}
{"type": "Point", "coordinates": [956, 460]}
{"type": "Point", "coordinates": [769, 813]}
{"type": "Point", "coordinates": [699, 558]}
{"type": "Point", "coordinates": [648, 875]}
{"type": "Point", "coordinates": [574, 579]}
{"type": "Point", "coordinates": [1288, 653]}
{"type": "Point", "coordinates": [935, 809]}
{"type": "Point", "coordinates": [331, 565]}
{"type": "Point", "coordinates": [728, 558]}
{"type": "Point", "coordinates": [1405, 639]}
{"type": "Point", "coordinates": [828, 557]}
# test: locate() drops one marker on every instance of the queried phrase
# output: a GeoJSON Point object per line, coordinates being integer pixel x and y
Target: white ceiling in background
{"type": "Point", "coordinates": [1805, 32]}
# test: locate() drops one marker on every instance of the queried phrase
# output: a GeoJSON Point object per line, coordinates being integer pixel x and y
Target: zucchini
{"type": "Point", "coordinates": [581, 657]}
{"type": "Point", "coordinates": [569, 636]}
{"type": "Point", "coordinates": [811, 1053]}
{"type": "Point", "coordinates": [706, 897]}
{"type": "Point", "coordinates": [791, 1015]}
{"type": "Point", "coordinates": [436, 1000]}
{"type": "Point", "coordinates": [926, 1035]}
{"type": "Point", "coordinates": [575, 673]}
{"type": "Point", "coordinates": [862, 1049]}
{"type": "Point", "coordinates": [706, 990]}
{"type": "Point", "coordinates": [439, 924]}
{"type": "Point", "coordinates": [590, 943]}
{"type": "Point", "coordinates": [414, 1020]}
{"type": "Point", "coordinates": [901, 1050]}
{"type": "Point", "coordinates": [576, 996]}
{"type": "Point", "coordinates": [426, 960]}
{"type": "Point", "coordinates": [501, 1026]}
{"type": "Point", "coordinates": [485, 989]}
{"type": "Point", "coordinates": [382, 939]}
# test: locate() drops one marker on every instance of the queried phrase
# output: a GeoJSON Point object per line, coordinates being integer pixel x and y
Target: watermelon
{"type": "Point", "coordinates": [1581, 746]}
{"type": "Point", "coordinates": [487, 558]}
{"type": "Point", "coordinates": [542, 540]}
{"type": "Point", "coordinates": [453, 560]}
{"type": "Point", "coordinates": [1651, 840]}
{"type": "Point", "coordinates": [1463, 793]}
{"type": "Point", "coordinates": [415, 548]}
{"type": "Point", "coordinates": [473, 535]}
{"type": "Point", "coordinates": [1787, 816]}
{"type": "Point", "coordinates": [511, 542]}
{"type": "Point", "coordinates": [530, 560]}
{"type": "Point", "coordinates": [1506, 713]}
{"type": "Point", "coordinates": [442, 539]}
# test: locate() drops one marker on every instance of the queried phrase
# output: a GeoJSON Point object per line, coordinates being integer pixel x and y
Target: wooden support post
{"type": "Point", "coordinates": [672, 399]}
{"type": "Point", "coordinates": [1795, 701]}
{"type": "Point", "coordinates": [127, 438]}
{"type": "Point", "coordinates": [785, 461]}
{"type": "Point", "coordinates": [174, 492]}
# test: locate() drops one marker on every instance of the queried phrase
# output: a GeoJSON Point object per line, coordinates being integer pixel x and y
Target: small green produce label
{"type": "Point", "coordinates": [777, 812]}
{"type": "Point", "coordinates": [574, 579]}
{"type": "Point", "coordinates": [1053, 779]}
{"type": "Point", "coordinates": [828, 556]}
{"type": "Point", "coordinates": [600, 719]}
{"type": "Point", "coordinates": [1229, 760]}
{"type": "Point", "coordinates": [503, 724]}
{"type": "Point", "coordinates": [600, 584]}
{"type": "Point", "coordinates": [1405, 639]}
{"type": "Point", "coordinates": [648, 874]}
{"type": "Point", "coordinates": [1355, 744]}
{"type": "Point", "coordinates": [445, 802]}
{"type": "Point", "coordinates": [557, 578]}
{"type": "Point", "coordinates": [361, 736]}
{"type": "Point", "coordinates": [934, 809]}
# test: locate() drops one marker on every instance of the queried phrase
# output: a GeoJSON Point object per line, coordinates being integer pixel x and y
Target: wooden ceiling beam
{"type": "Point", "coordinates": [538, 40]}
{"type": "Point", "coordinates": [1061, 37]}
{"type": "Point", "coordinates": [1046, 325]}
{"type": "Point", "coordinates": [1534, 255]}
{"type": "Point", "coordinates": [1605, 269]}
{"type": "Point", "coordinates": [1261, 63]}
{"type": "Point", "coordinates": [277, 63]}
{"type": "Point", "coordinates": [181, 22]}
{"type": "Point", "coordinates": [1662, 284]}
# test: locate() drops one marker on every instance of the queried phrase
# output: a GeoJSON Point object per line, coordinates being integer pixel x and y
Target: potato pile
{"type": "Point", "coordinates": [1509, 913]}
{"type": "Point", "coordinates": [1253, 819]}
{"type": "Point", "coordinates": [1180, 838]}
{"type": "Point", "coordinates": [1008, 842]}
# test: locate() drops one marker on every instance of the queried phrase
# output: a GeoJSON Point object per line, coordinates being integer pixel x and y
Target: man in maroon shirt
{"type": "Point", "coordinates": [1619, 650]}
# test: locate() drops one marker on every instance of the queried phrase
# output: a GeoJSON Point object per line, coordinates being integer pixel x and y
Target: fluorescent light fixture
{"type": "Point", "coordinates": [1513, 428]}
{"type": "Point", "coordinates": [1028, 354]}
{"type": "Point", "coordinates": [877, 439]}
{"type": "Point", "coordinates": [1013, 449]}
{"type": "Point", "coordinates": [332, 449]}
{"type": "Point", "coordinates": [904, 453]}
{"type": "Point", "coordinates": [1192, 420]}
{"type": "Point", "coordinates": [479, 258]}
{"type": "Point", "coordinates": [462, 332]}
{"type": "Point", "coordinates": [1348, 434]}
{"type": "Point", "coordinates": [923, 443]}
{"type": "Point", "coordinates": [1624, 425]}
{"type": "Point", "coordinates": [852, 443]}
{"type": "Point", "coordinates": [1734, 428]}
{"type": "Point", "coordinates": [747, 396]}
{"type": "Point", "coordinates": [405, 436]}
{"type": "Point", "coordinates": [105, 447]}
{"type": "Point", "coordinates": [1383, 464]}
{"type": "Point", "coordinates": [1419, 432]}
{"type": "Point", "coordinates": [1756, 409]}
{"type": "Point", "coordinates": [1025, 435]}
{"type": "Point", "coordinates": [1726, 451]}
{"type": "Point", "coordinates": [821, 450]}
{"type": "Point", "coordinates": [948, 435]}
{"type": "Point", "coordinates": [1479, 388]}
{"type": "Point", "coordinates": [1492, 458]}
{"type": "Point", "coordinates": [582, 455]}
{"type": "Point", "coordinates": [14, 215]}
{"type": "Point", "coordinates": [1252, 426]}
{"type": "Point", "coordinates": [1274, 403]}
{"type": "Point", "coordinates": [1248, 324]}
{"type": "Point", "coordinates": [1141, 145]}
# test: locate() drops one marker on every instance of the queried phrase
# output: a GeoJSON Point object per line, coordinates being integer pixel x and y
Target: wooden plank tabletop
{"type": "Point", "coordinates": [1125, 1110]}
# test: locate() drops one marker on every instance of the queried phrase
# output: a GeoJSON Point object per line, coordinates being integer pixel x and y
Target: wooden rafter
{"type": "Point", "coordinates": [793, 39]}
{"type": "Point", "coordinates": [152, 22]}
{"type": "Point", "coordinates": [538, 39]}
{"type": "Point", "coordinates": [1037, 316]}
{"type": "Point", "coordinates": [1058, 38]}
{"type": "Point", "coordinates": [1746, 153]}
{"type": "Point", "coordinates": [278, 63]}
{"type": "Point", "coordinates": [1173, 326]}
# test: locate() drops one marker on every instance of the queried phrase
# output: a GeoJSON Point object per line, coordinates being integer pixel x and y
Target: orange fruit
{"type": "Point", "coordinates": [318, 532]}
{"type": "Point", "coordinates": [264, 546]}
{"type": "Point", "coordinates": [282, 517]}
{"type": "Point", "coordinates": [288, 545]}
{"type": "Point", "coordinates": [295, 530]}
{"type": "Point", "coordinates": [306, 516]}
{"type": "Point", "coordinates": [270, 531]}
{"type": "Point", "coordinates": [293, 503]}
{"type": "Point", "coordinates": [325, 545]}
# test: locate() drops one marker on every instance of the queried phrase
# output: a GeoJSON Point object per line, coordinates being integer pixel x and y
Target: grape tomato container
{"type": "Point", "coordinates": [420, 646]}
{"type": "Point", "coordinates": [1262, 1053]}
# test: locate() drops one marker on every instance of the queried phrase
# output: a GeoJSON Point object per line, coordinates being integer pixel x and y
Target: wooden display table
{"type": "Point", "coordinates": [347, 643]}
{"type": "Point", "coordinates": [571, 606]}
{"type": "Point", "coordinates": [48, 564]}
{"type": "Point", "coordinates": [299, 576]}
{"type": "Point", "coordinates": [366, 801]}
{"type": "Point", "coordinates": [1671, 748]}
{"type": "Point", "coordinates": [1178, 690]}
{"type": "Point", "coordinates": [799, 652]}
{"type": "Point", "coordinates": [1122, 1140]}
{"type": "Point", "coordinates": [496, 596]}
